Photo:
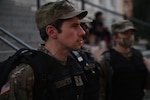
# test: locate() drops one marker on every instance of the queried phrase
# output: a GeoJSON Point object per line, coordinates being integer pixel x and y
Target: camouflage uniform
{"type": "Point", "coordinates": [21, 81]}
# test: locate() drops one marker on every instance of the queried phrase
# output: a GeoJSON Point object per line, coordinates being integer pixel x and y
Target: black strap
{"type": "Point", "coordinates": [9, 64]}
{"type": "Point", "coordinates": [42, 65]}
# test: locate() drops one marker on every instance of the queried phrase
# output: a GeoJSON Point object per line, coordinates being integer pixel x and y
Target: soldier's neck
{"type": "Point", "coordinates": [122, 50]}
{"type": "Point", "coordinates": [58, 53]}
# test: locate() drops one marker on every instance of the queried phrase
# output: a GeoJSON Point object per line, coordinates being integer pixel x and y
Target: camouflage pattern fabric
{"type": "Point", "coordinates": [53, 11]}
{"type": "Point", "coordinates": [20, 82]}
{"type": "Point", "coordinates": [122, 26]}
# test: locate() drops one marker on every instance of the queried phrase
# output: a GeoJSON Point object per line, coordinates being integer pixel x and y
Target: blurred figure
{"type": "Point", "coordinates": [100, 31]}
{"type": "Point", "coordinates": [128, 72]}
{"type": "Point", "coordinates": [89, 39]}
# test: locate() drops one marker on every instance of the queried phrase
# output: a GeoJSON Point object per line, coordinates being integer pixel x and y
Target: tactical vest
{"type": "Point", "coordinates": [92, 72]}
{"type": "Point", "coordinates": [65, 82]}
{"type": "Point", "coordinates": [54, 81]}
{"type": "Point", "coordinates": [129, 77]}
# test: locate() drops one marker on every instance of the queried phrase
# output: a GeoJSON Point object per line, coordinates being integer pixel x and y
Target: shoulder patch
{"type": "Point", "coordinates": [5, 88]}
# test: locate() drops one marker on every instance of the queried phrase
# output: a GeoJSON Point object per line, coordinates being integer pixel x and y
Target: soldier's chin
{"type": "Point", "coordinates": [77, 48]}
{"type": "Point", "coordinates": [127, 46]}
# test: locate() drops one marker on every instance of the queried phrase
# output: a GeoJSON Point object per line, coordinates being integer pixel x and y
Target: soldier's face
{"type": "Point", "coordinates": [126, 39]}
{"type": "Point", "coordinates": [72, 34]}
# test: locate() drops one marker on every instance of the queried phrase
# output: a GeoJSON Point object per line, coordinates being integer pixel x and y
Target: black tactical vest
{"type": "Point", "coordinates": [92, 72]}
{"type": "Point", "coordinates": [129, 77]}
{"type": "Point", "coordinates": [54, 81]}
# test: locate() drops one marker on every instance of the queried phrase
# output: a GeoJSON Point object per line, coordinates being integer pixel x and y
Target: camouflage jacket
{"type": "Point", "coordinates": [20, 82]}
{"type": "Point", "coordinates": [51, 80]}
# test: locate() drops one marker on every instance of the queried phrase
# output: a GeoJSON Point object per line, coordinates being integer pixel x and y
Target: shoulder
{"type": "Point", "coordinates": [22, 71]}
{"type": "Point", "coordinates": [20, 82]}
{"type": "Point", "coordinates": [135, 50]}
{"type": "Point", "coordinates": [137, 53]}
{"type": "Point", "coordinates": [105, 55]}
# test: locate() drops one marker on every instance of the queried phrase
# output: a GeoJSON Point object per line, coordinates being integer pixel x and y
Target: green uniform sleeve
{"type": "Point", "coordinates": [21, 82]}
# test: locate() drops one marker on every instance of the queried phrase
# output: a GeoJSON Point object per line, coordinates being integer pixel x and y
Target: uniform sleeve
{"type": "Point", "coordinates": [21, 82]}
{"type": "Point", "coordinates": [105, 81]}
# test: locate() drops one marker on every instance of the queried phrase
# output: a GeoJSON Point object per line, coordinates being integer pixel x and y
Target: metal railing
{"type": "Point", "coordinates": [14, 38]}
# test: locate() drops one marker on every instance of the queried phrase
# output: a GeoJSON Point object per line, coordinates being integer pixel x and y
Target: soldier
{"type": "Point", "coordinates": [127, 75]}
{"type": "Point", "coordinates": [59, 26]}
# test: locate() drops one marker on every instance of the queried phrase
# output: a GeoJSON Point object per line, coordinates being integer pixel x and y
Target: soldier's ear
{"type": "Point", "coordinates": [51, 31]}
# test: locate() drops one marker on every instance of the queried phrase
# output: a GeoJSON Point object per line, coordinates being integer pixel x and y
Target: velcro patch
{"type": "Point", "coordinates": [62, 83]}
{"type": "Point", "coordinates": [78, 80]}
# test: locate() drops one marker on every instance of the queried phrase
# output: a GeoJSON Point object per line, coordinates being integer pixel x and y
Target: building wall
{"type": "Point", "coordinates": [118, 6]}
{"type": "Point", "coordinates": [112, 5]}
{"type": "Point", "coordinates": [17, 17]}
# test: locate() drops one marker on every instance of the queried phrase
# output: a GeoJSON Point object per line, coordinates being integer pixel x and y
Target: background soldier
{"type": "Point", "coordinates": [128, 76]}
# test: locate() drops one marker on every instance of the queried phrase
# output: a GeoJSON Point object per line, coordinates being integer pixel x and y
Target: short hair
{"type": "Point", "coordinates": [57, 24]}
